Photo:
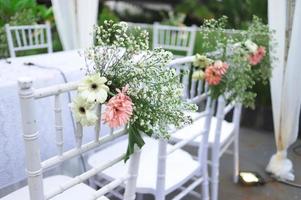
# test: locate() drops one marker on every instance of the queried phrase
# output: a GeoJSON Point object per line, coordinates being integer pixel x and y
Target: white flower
{"type": "Point", "coordinates": [83, 111]}
{"type": "Point", "coordinates": [237, 45]}
{"type": "Point", "coordinates": [93, 88]}
{"type": "Point", "coordinates": [201, 61]}
{"type": "Point", "coordinates": [251, 46]}
{"type": "Point", "coordinates": [123, 25]}
{"type": "Point", "coordinates": [198, 75]}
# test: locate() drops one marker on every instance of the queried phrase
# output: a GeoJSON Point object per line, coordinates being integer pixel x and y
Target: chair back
{"type": "Point", "coordinates": [29, 37]}
{"type": "Point", "coordinates": [224, 108]}
{"type": "Point", "coordinates": [193, 90]}
{"type": "Point", "coordinates": [35, 167]}
{"type": "Point", "coordinates": [196, 92]}
{"type": "Point", "coordinates": [173, 38]}
{"type": "Point", "coordinates": [142, 26]}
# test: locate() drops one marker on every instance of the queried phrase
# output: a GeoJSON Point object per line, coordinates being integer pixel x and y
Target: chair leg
{"type": "Point", "coordinates": [204, 171]}
{"type": "Point", "coordinates": [139, 196]}
{"type": "Point", "coordinates": [236, 120]}
{"type": "Point", "coordinates": [236, 158]}
{"type": "Point", "coordinates": [214, 179]}
{"type": "Point", "coordinates": [215, 155]}
{"type": "Point", "coordinates": [205, 184]}
{"type": "Point", "coordinates": [161, 170]}
{"type": "Point", "coordinates": [92, 182]}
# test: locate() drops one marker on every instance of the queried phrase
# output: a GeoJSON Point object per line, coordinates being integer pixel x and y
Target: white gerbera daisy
{"type": "Point", "coordinates": [93, 88]}
{"type": "Point", "coordinates": [251, 46]}
{"type": "Point", "coordinates": [198, 75]}
{"type": "Point", "coordinates": [201, 61]}
{"type": "Point", "coordinates": [83, 111]}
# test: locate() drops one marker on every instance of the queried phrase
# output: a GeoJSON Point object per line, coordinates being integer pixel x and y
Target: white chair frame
{"type": "Point", "coordinates": [180, 39]}
{"type": "Point", "coordinates": [35, 166]}
{"type": "Point", "coordinates": [198, 177]}
{"type": "Point", "coordinates": [218, 149]}
{"type": "Point", "coordinates": [197, 93]}
{"type": "Point", "coordinates": [28, 37]}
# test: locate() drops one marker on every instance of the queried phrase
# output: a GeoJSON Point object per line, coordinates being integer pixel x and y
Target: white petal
{"type": "Point", "coordinates": [102, 79]}
{"type": "Point", "coordinates": [102, 96]}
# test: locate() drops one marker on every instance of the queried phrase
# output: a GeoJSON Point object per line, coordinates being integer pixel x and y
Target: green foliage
{"type": "Point", "coordinates": [195, 10]}
{"type": "Point", "coordinates": [174, 19]}
{"type": "Point", "coordinates": [22, 12]}
{"type": "Point", "coordinates": [106, 14]}
{"type": "Point", "coordinates": [16, 12]}
{"type": "Point", "coordinates": [239, 81]}
{"type": "Point", "coordinates": [267, 40]}
{"type": "Point", "coordinates": [239, 12]}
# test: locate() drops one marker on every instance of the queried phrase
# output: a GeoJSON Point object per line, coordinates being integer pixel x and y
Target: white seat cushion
{"type": "Point", "coordinates": [198, 126]}
{"type": "Point", "coordinates": [180, 166]}
{"type": "Point", "coordinates": [78, 192]}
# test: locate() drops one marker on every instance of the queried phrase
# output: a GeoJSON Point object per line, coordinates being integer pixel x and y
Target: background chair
{"type": "Point", "coordinates": [179, 40]}
{"type": "Point", "coordinates": [222, 135]}
{"type": "Point", "coordinates": [63, 187]}
{"type": "Point", "coordinates": [226, 134]}
{"type": "Point", "coordinates": [29, 37]}
{"type": "Point", "coordinates": [164, 167]}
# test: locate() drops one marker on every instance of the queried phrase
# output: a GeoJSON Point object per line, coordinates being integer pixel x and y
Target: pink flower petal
{"type": "Point", "coordinates": [119, 109]}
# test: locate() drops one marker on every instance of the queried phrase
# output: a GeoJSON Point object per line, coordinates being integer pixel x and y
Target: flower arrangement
{"type": "Point", "coordinates": [256, 54]}
{"type": "Point", "coordinates": [238, 64]}
{"type": "Point", "coordinates": [139, 91]}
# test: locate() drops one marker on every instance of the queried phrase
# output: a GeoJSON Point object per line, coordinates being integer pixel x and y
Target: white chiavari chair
{"type": "Point", "coordinates": [28, 37]}
{"type": "Point", "coordinates": [173, 38]}
{"type": "Point", "coordinates": [222, 134]}
{"type": "Point", "coordinates": [226, 134]}
{"type": "Point", "coordinates": [142, 26]}
{"type": "Point", "coordinates": [164, 167]}
{"type": "Point", "coordinates": [62, 187]}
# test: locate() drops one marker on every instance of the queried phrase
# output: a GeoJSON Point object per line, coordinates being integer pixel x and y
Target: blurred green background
{"type": "Point", "coordinates": [188, 12]}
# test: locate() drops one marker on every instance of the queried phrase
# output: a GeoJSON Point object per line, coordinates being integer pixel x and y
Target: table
{"type": "Point", "coordinates": [12, 155]}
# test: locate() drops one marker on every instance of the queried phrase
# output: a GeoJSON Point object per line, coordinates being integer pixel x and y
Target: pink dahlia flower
{"type": "Point", "coordinates": [256, 57]}
{"type": "Point", "coordinates": [261, 51]}
{"type": "Point", "coordinates": [215, 72]}
{"type": "Point", "coordinates": [119, 109]}
{"type": "Point", "coordinates": [253, 59]}
{"type": "Point", "coordinates": [212, 75]}
{"type": "Point", "coordinates": [221, 67]}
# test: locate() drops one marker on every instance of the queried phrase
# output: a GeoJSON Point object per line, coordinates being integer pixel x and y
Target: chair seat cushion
{"type": "Point", "coordinates": [198, 126]}
{"type": "Point", "coordinates": [78, 192]}
{"type": "Point", "coordinates": [180, 165]}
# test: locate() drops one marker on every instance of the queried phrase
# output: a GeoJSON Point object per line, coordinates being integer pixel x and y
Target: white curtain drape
{"type": "Point", "coordinates": [285, 84]}
{"type": "Point", "coordinates": [74, 20]}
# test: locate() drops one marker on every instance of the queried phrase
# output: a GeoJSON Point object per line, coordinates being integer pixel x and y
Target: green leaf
{"type": "Point", "coordinates": [134, 138]}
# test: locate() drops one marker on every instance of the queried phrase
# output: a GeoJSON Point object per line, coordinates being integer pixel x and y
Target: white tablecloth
{"type": "Point", "coordinates": [12, 162]}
